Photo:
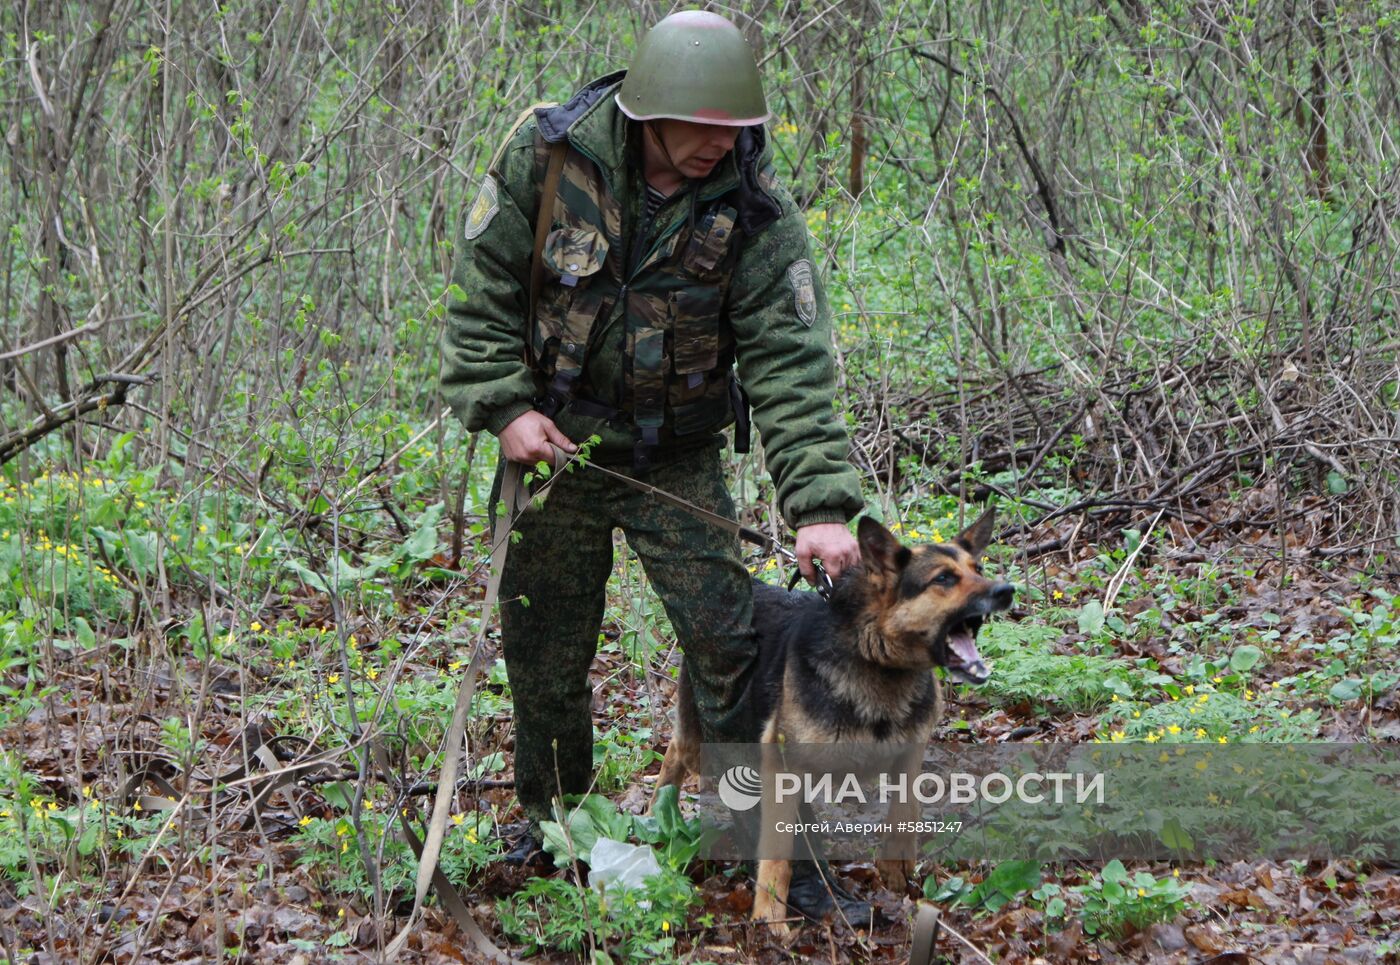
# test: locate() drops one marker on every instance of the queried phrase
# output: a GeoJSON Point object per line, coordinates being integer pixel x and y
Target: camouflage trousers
{"type": "Point", "coordinates": [561, 563]}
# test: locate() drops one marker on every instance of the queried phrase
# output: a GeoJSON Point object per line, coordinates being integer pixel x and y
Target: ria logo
{"type": "Point", "coordinates": [740, 788]}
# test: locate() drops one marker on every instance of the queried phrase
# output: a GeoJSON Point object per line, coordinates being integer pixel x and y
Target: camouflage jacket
{"type": "Point", "coordinates": [649, 316]}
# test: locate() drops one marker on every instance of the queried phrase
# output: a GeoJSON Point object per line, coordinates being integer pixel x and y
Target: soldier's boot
{"type": "Point", "coordinates": [815, 892]}
{"type": "Point", "coordinates": [523, 843]}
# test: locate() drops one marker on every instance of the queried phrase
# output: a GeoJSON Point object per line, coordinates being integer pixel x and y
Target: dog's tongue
{"type": "Point", "coordinates": [966, 663]}
{"type": "Point", "coordinates": [964, 647]}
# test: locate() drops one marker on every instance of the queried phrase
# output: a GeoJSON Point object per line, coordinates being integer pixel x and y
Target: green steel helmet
{"type": "Point", "coordinates": [694, 66]}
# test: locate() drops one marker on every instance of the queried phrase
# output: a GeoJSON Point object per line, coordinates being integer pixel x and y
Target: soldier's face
{"type": "Point", "coordinates": [695, 149]}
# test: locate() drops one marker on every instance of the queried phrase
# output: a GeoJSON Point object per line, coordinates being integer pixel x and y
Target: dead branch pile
{"type": "Point", "coordinates": [1325, 443]}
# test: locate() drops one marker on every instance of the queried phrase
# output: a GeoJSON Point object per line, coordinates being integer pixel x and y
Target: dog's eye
{"type": "Point", "coordinates": [946, 578]}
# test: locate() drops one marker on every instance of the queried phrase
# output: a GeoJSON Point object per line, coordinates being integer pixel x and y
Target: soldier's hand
{"type": "Point", "coordinates": [528, 438]}
{"type": "Point", "coordinates": [832, 543]}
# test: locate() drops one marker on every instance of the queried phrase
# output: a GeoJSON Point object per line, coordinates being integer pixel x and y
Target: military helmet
{"type": "Point", "coordinates": [694, 66]}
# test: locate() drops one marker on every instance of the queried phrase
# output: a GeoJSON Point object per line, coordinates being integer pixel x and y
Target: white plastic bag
{"type": "Point", "coordinates": [617, 866]}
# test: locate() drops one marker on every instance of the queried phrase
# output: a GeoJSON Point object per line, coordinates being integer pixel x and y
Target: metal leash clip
{"type": "Point", "coordinates": [824, 585]}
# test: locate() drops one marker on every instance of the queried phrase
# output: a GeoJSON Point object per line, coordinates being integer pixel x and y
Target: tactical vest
{"type": "Point", "coordinates": [669, 291]}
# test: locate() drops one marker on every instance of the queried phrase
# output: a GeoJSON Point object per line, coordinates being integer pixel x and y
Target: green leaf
{"type": "Point", "coordinates": [1091, 618]}
{"type": "Point", "coordinates": [1006, 881]}
{"type": "Point", "coordinates": [87, 844]}
{"type": "Point", "coordinates": [424, 541]}
{"type": "Point", "coordinates": [1337, 483]}
{"type": "Point", "coordinates": [308, 576]}
{"type": "Point", "coordinates": [138, 549]}
{"type": "Point", "coordinates": [949, 890]}
{"type": "Point", "coordinates": [668, 812]}
{"type": "Point", "coordinates": [83, 630]}
{"type": "Point", "coordinates": [338, 794]}
{"type": "Point", "coordinates": [1245, 657]}
{"type": "Point", "coordinates": [489, 764]}
{"type": "Point", "coordinates": [1174, 836]}
{"type": "Point", "coordinates": [1344, 690]}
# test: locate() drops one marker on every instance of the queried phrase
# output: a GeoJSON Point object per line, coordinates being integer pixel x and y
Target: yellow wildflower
{"type": "Point", "coordinates": [305, 821]}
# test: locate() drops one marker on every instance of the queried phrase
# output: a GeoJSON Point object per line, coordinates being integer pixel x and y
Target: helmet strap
{"type": "Point", "coordinates": [655, 135]}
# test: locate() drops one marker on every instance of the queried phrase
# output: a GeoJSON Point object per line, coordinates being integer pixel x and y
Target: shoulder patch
{"type": "Point", "coordinates": [483, 209]}
{"type": "Point", "coordinates": [804, 290]}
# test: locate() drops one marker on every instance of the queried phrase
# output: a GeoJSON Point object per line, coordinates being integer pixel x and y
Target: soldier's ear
{"type": "Point", "coordinates": [879, 548]}
{"type": "Point", "coordinates": [976, 537]}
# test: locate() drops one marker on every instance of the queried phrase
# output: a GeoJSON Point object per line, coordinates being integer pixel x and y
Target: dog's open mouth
{"type": "Point", "coordinates": [964, 662]}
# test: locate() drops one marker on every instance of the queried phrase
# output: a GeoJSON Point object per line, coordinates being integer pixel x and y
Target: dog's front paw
{"type": "Point", "coordinates": [895, 873]}
{"type": "Point", "coordinates": [767, 908]}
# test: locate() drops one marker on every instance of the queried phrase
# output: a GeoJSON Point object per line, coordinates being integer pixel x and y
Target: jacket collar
{"type": "Point", "coordinates": [592, 123]}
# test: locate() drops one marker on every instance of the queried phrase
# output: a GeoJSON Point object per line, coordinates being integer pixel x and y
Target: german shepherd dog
{"type": "Point", "coordinates": [858, 669]}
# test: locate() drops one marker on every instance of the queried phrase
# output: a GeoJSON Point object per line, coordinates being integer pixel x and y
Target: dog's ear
{"type": "Point", "coordinates": [975, 538]}
{"type": "Point", "coordinates": [879, 548]}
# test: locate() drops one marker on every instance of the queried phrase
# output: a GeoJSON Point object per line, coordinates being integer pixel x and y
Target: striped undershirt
{"type": "Point", "coordinates": [655, 199]}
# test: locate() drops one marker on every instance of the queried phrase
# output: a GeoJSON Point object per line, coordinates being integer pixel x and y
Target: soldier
{"type": "Point", "coordinates": [674, 253]}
